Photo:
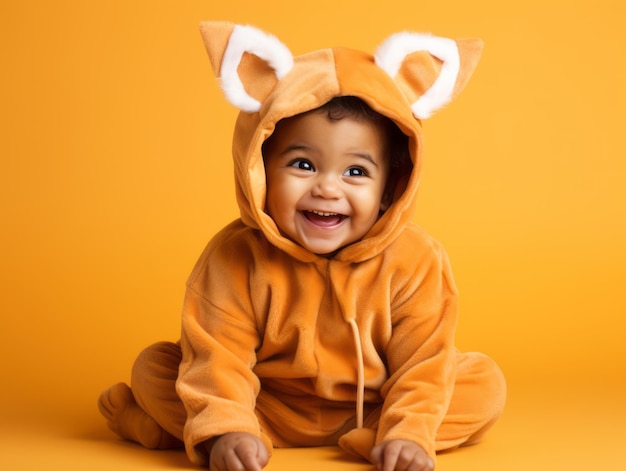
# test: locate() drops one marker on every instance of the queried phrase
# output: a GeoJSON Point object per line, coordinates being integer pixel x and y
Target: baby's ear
{"type": "Point", "coordinates": [248, 62]}
{"type": "Point", "coordinates": [429, 70]}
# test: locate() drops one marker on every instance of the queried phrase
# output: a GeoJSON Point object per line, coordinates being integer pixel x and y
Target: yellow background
{"type": "Point", "coordinates": [115, 152]}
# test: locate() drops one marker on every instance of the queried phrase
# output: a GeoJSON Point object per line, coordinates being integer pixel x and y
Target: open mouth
{"type": "Point", "coordinates": [323, 218]}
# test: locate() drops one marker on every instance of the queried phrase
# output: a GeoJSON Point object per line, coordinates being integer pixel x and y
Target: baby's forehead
{"type": "Point", "coordinates": [319, 127]}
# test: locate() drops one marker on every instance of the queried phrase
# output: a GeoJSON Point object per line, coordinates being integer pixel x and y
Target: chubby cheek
{"type": "Point", "coordinates": [280, 201]}
{"type": "Point", "coordinates": [367, 204]}
{"type": "Point", "coordinates": [270, 202]}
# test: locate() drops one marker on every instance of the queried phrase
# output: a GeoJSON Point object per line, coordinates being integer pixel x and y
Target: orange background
{"type": "Point", "coordinates": [115, 148]}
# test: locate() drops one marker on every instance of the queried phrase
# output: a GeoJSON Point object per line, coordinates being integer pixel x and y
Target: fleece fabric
{"type": "Point", "coordinates": [301, 349]}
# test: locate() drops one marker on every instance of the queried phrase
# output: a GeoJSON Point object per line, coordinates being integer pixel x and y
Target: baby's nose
{"type": "Point", "coordinates": [327, 186]}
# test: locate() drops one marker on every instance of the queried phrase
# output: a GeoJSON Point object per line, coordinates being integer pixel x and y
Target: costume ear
{"type": "Point", "coordinates": [234, 51]}
{"type": "Point", "coordinates": [429, 70]}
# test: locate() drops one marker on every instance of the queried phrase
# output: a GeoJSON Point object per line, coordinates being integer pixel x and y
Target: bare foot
{"type": "Point", "coordinates": [125, 418]}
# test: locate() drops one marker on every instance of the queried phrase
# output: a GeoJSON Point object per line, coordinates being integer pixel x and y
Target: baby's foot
{"type": "Point", "coordinates": [125, 418]}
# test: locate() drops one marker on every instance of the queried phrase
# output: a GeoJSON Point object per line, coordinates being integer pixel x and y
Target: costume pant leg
{"type": "Point", "coordinates": [477, 402]}
{"type": "Point", "coordinates": [153, 382]}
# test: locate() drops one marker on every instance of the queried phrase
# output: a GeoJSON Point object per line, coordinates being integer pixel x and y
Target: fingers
{"type": "Point", "coordinates": [238, 452]}
{"type": "Point", "coordinates": [241, 459]}
{"type": "Point", "coordinates": [401, 455]}
{"type": "Point", "coordinates": [263, 454]}
{"type": "Point", "coordinates": [253, 456]}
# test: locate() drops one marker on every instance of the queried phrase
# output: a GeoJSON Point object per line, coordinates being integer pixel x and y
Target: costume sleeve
{"type": "Point", "coordinates": [219, 338]}
{"type": "Point", "coordinates": [421, 356]}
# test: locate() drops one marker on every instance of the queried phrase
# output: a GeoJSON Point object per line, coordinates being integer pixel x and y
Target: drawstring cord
{"type": "Point", "coordinates": [360, 394]}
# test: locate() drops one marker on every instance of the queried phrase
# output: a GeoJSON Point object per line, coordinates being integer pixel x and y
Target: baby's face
{"type": "Point", "coordinates": [325, 180]}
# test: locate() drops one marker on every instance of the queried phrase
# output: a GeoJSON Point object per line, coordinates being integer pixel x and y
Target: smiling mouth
{"type": "Point", "coordinates": [323, 218]}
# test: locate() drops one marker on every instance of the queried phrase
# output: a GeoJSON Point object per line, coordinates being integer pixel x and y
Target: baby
{"type": "Point", "coordinates": [323, 315]}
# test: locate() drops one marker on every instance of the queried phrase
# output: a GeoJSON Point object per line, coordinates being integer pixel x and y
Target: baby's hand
{"type": "Point", "coordinates": [238, 451]}
{"type": "Point", "coordinates": [401, 455]}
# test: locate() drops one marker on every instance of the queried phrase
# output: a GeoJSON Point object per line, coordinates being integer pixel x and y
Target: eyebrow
{"type": "Point", "coordinates": [366, 156]}
{"type": "Point", "coordinates": [293, 147]}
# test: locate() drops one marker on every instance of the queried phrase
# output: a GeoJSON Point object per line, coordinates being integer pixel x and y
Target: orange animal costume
{"type": "Point", "coordinates": [306, 350]}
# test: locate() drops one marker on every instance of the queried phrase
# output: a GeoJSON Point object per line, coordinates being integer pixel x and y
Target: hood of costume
{"type": "Point", "coordinates": [305, 347]}
{"type": "Point", "coordinates": [411, 76]}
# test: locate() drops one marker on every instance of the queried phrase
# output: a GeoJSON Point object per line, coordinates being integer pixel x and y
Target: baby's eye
{"type": "Point", "coordinates": [302, 164]}
{"type": "Point", "coordinates": [356, 172]}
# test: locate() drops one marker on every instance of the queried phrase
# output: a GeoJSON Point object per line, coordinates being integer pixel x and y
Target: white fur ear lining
{"type": "Point", "coordinates": [267, 47]}
{"type": "Point", "coordinates": [391, 54]}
